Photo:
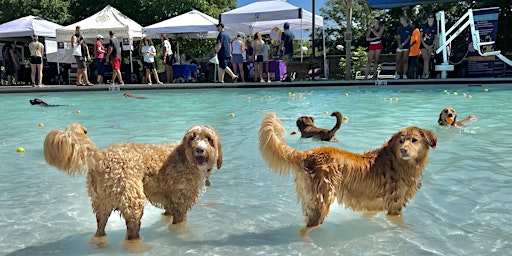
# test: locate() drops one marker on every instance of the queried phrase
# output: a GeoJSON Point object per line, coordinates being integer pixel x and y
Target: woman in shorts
{"type": "Point", "coordinates": [237, 48]}
{"type": "Point", "coordinates": [373, 36]}
{"type": "Point", "coordinates": [36, 61]}
{"type": "Point", "coordinates": [258, 45]}
{"type": "Point", "coordinates": [149, 52]}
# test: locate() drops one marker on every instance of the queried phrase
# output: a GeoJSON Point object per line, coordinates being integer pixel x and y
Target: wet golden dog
{"type": "Point", "coordinates": [448, 117]}
{"type": "Point", "coordinates": [384, 179]}
{"type": "Point", "coordinates": [124, 177]}
{"type": "Point", "coordinates": [307, 128]}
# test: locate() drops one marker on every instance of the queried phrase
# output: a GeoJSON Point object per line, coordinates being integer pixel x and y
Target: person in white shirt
{"type": "Point", "coordinates": [167, 57]}
{"type": "Point", "coordinates": [149, 52]}
{"type": "Point", "coordinates": [237, 50]}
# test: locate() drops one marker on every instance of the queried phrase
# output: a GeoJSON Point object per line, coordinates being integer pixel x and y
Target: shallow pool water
{"type": "Point", "coordinates": [463, 207]}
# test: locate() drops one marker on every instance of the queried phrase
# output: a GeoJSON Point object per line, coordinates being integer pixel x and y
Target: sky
{"type": "Point", "coordinates": [304, 4]}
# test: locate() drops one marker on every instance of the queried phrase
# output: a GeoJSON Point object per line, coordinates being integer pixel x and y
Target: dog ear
{"type": "Point", "coordinates": [219, 154]}
{"type": "Point", "coordinates": [429, 137]}
{"type": "Point", "coordinates": [218, 146]}
{"type": "Point", "coordinates": [312, 119]}
{"type": "Point", "coordinates": [440, 120]}
{"type": "Point", "coordinates": [299, 121]}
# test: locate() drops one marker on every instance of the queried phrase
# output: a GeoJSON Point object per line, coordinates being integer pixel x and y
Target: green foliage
{"type": "Point", "coordinates": [52, 10]}
{"type": "Point", "coordinates": [334, 13]}
{"type": "Point", "coordinates": [359, 60]}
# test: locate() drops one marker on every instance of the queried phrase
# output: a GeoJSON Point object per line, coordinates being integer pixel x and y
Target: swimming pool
{"type": "Point", "coordinates": [463, 207]}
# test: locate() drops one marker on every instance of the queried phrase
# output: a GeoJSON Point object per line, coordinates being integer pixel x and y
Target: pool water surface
{"type": "Point", "coordinates": [462, 208]}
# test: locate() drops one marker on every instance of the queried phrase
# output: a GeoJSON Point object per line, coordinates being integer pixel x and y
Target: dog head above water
{"type": "Point", "coordinates": [305, 121]}
{"type": "Point", "coordinates": [412, 143]}
{"type": "Point", "coordinates": [448, 116]}
{"type": "Point", "coordinates": [203, 148]}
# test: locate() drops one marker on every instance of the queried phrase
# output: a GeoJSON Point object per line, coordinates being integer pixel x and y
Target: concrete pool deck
{"type": "Point", "coordinates": [426, 83]}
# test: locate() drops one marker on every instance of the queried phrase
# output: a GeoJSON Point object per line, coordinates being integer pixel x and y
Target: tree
{"type": "Point", "coordinates": [55, 11]}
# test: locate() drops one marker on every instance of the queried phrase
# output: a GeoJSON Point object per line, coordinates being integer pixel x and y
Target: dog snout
{"type": "Point", "coordinates": [403, 150]}
{"type": "Point", "coordinates": [450, 115]}
{"type": "Point", "coordinates": [200, 150]}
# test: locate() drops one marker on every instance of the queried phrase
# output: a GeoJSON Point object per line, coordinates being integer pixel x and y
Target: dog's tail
{"type": "Point", "coordinates": [280, 157]}
{"type": "Point", "coordinates": [339, 120]}
{"type": "Point", "coordinates": [71, 151]}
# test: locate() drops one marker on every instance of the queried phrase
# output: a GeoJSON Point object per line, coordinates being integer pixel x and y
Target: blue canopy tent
{"type": "Point", "coordinates": [388, 4]}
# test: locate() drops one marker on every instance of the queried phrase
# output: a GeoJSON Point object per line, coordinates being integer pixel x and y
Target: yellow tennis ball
{"type": "Point", "coordinates": [20, 150]}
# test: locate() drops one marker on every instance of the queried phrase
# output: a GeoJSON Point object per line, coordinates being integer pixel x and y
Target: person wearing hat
{"type": "Point", "coordinates": [237, 49]}
{"type": "Point", "coordinates": [99, 55]}
{"type": "Point", "coordinates": [286, 45]}
{"type": "Point", "coordinates": [36, 49]}
{"type": "Point", "coordinates": [428, 37]}
{"type": "Point", "coordinates": [223, 53]}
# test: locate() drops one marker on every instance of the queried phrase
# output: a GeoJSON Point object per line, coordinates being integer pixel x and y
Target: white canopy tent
{"type": "Point", "coordinates": [264, 15]}
{"type": "Point", "coordinates": [28, 26]}
{"type": "Point", "coordinates": [100, 23]}
{"type": "Point", "coordinates": [23, 28]}
{"type": "Point", "coordinates": [193, 24]}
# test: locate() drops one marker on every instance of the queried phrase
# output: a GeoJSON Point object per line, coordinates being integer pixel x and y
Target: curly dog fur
{"type": "Point", "coordinates": [124, 177]}
{"type": "Point", "coordinates": [448, 117]}
{"type": "Point", "coordinates": [307, 128]}
{"type": "Point", "coordinates": [384, 179]}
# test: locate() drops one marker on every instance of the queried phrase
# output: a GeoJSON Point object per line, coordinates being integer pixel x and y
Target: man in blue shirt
{"type": "Point", "coordinates": [223, 53]}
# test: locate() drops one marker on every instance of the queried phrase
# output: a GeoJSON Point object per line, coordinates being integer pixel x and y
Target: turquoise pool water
{"type": "Point", "coordinates": [463, 207]}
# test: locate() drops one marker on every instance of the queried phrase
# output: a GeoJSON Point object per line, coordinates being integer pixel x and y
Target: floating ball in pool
{"type": "Point", "coordinates": [40, 125]}
{"type": "Point", "coordinates": [20, 150]}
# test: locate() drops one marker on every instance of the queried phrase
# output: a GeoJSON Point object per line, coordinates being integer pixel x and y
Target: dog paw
{"type": "Point", "coordinates": [98, 242]}
{"type": "Point", "coordinates": [135, 246]}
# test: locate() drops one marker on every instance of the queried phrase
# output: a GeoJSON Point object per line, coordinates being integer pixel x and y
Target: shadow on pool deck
{"type": "Point", "coordinates": [440, 83]}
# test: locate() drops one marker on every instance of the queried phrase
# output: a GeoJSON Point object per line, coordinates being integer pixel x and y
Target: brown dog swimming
{"type": "Point", "coordinates": [307, 128]}
{"type": "Point", "coordinates": [448, 117]}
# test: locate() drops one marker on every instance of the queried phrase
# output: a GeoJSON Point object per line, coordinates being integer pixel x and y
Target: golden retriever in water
{"type": "Point", "coordinates": [448, 117]}
{"type": "Point", "coordinates": [125, 176]}
{"type": "Point", "coordinates": [384, 179]}
{"type": "Point", "coordinates": [307, 128]}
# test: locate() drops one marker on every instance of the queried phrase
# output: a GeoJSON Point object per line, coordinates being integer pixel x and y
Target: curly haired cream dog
{"type": "Point", "coordinates": [448, 117]}
{"type": "Point", "coordinates": [384, 179]}
{"type": "Point", "coordinates": [124, 177]}
{"type": "Point", "coordinates": [307, 128]}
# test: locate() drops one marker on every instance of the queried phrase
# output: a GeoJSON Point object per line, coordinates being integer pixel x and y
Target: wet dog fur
{"type": "Point", "coordinates": [383, 179]}
{"type": "Point", "coordinates": [124, 177]}
{"type": "Point", "coordinates": [307, 128]}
